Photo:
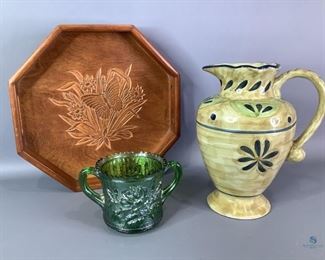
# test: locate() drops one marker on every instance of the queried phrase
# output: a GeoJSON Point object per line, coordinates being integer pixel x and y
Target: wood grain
{"type": "Point", "coordinates": [74, 54]}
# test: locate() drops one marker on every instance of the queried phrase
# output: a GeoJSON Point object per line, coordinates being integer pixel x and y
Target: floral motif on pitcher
{"type": "Point", "coordinates": [258, 157]}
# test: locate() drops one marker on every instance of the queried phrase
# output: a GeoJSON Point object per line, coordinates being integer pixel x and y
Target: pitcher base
{"type": "Point", "coordinates": [239, 207]}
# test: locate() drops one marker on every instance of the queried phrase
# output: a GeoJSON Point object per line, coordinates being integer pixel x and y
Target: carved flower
{"type": "Point", "coordinates": [75, 106]}
{"type": "Point", "coordinates": [138, 93]}
{"type": "Point", "coordinates": [76, 111]}
{"type": "Point", "coordinates": [259, 158]}
{"type": "Point", "coordinates": [88, 84]}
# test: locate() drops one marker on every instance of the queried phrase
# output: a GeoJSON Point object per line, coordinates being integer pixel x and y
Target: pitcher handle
{"type": "Point", "coordinates": [297, 153]}
{"type": "Point", "coordinates": [177, 168]}
{"type": "Point", "coordinates": [90, 193]}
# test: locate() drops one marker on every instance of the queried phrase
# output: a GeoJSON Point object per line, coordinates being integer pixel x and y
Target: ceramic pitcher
{"type": "Point", "coordinates": [246, 133]}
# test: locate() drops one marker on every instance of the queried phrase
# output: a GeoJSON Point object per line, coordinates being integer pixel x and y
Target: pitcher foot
{"type": "Point", "coordinates": [239, 207]}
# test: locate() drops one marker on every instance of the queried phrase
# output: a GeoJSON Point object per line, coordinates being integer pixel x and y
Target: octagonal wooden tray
{"type": "Point", "coordinates": [89, 91]}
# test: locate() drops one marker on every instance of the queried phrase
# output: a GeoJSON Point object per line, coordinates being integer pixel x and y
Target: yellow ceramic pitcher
{"type": "Point", "coordinates": [246, 133]}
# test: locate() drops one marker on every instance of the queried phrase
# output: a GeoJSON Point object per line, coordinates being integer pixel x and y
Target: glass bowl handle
{"type": "Point", "coordinates": [90, 193]}
{"type": "Point", "coordinates": [177, 169]}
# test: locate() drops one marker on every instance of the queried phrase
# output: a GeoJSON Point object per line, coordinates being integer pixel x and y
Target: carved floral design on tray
{"type": "Point", "coordinates": [100, 107]}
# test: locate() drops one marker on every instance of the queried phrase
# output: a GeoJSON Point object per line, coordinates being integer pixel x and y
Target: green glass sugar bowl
{"type": "Point", "coordinates": [133, 195]}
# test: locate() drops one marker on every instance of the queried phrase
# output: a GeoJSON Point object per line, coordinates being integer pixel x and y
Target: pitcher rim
{"type": "Point", "coordinates": [253, 65]}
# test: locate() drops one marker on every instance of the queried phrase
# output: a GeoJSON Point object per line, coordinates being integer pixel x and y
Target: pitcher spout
{"type": "Point", "coordinates": [245, 80]}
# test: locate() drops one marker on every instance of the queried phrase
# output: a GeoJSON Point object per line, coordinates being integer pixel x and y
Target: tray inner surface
{"type": "Point", "coordinates": [57, 118]}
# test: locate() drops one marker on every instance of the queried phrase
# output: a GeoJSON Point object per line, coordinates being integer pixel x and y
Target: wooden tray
{"type": "Point", "coordinates": [89, 91]}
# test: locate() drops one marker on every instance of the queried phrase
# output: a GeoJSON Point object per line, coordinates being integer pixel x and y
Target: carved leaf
{"type": "Point", "coordinates": [93, 121]}
{"type": "Point", "coordinates": [76, 135]}
{"type": "Point", "coordinates": [98, 75]}
{"type": "Point", "coordinates": [68, 120]}
{"type": "Point", "coordinates": [59, 102]}
{"type": "Point", "coordinates": [128, 70]}
{"type": "Point", "coordinates": [70, 85]}
{"type": "Point", "coordinates": [71, 97]}
{"type": "Point", "coordinates": [124, 134]}
{"type": "Point", "coordinates": [84, 140]}
{"type": "Point", "coordinates": [77, 75]}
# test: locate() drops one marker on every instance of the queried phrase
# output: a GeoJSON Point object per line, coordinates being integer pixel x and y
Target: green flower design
{"type": "Point", "coordinates": [258, 109]}
{"type": "Point", "coordinates": [259, 158]}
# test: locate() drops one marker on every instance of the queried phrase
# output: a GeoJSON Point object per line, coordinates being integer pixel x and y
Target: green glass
{"type": "Point", "coordinates": [133, 195]}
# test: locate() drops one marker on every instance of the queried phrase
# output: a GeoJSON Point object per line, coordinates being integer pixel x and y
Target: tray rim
{"type": "Point", "coordinates": [45, 165]}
